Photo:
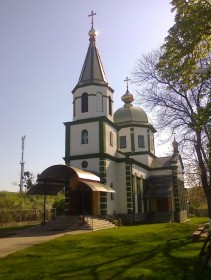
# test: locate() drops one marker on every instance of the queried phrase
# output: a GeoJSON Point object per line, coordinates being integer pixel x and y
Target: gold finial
{"type": "Point", "coordinates": [127, 98]}
{"type": "Point", "coordinates": [92, 32]}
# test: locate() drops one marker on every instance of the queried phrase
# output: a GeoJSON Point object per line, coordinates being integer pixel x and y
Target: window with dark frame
{"type": "Point", "coordinates": [122, 142]}
{"type": "Point", "coordinates": [112, 194]}
{"type": "Point", "coordinates": [84, 136]}
{"type": "Point", "coordinates": [110, 105]}
{"type": "Point", "coordinates": [111, 139]}
{"type": "Point", "coordinates": [84, 102]}
{"type": "Point", "coordinates": [141, 143]}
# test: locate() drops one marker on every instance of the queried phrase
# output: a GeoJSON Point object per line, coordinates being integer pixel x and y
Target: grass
{"type": "Point", "coordinates": [158, 251]}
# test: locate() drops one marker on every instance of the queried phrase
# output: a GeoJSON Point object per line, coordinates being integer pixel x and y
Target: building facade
{"type": "Point", "coordinates": [119, 148]}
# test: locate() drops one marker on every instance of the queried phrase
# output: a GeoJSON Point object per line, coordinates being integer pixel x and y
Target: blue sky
{"type": "Point", "coordinates": [43, 44]}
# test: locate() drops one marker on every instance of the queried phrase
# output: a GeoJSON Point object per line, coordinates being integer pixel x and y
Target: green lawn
{"type": "Point", "coordinates": [158, 251]}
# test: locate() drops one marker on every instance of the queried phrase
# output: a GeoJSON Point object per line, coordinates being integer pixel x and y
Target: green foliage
{"type": "Point", "coordinates": [188, 44]}
{"type": "Point", "coordinates": [186, 48]}
{"type": "Point", "coordinates": [10, 200]}
{"type": "Point", "coordinates": [14, 201]}
{"type": "Point", "coordinates": [59, 204]}
{"type": "Point", "coordinates": [182, 99]}
{"type": "Point", "coordinates": [159, 251]}
{"type": "Point", "coordinates": [196, 198]}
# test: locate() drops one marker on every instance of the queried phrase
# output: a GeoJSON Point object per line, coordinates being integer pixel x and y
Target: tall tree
{"type": "Point", "coordinates": [181, 98]}
{"type": "Point", "coordinates": [28, 180]}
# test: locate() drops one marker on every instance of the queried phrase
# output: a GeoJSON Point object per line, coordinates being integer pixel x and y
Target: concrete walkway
{"type": "Point", "coordinates": [30, 237]}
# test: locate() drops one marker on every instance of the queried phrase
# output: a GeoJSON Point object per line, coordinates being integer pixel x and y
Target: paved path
{"type": "Point", "coordinates": [30, 237]}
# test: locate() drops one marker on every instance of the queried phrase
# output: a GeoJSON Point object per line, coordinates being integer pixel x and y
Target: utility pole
{"type": "Point", "coordinates": [22, 165]}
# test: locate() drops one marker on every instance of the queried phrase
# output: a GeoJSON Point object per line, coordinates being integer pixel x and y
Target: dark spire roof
{"type": "Point", "coordinates": [175, 145]}
{"type": "Point", "coordinates": [92, 71]}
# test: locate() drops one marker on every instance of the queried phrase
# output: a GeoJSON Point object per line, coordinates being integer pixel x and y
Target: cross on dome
{"type": "Point", "coordinates": [92, 32]}
{"type": "Point", "coordinates": [127, 80]}
{"type": "Point", "coordinates": [127, 98]}
{"type": "Point", "coordinates": [92, 15]}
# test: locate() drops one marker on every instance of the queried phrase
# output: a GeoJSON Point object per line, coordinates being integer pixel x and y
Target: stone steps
{"type": "Point", "coordinates": [75, 223]}
{"type": "Point", "coordinates": [62, 223]}
{"type": "Point", "coordinates": [95, 223]}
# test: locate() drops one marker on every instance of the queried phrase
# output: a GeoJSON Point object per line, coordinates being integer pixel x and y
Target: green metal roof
{"type": "Point", "coordinates": [129, 115]}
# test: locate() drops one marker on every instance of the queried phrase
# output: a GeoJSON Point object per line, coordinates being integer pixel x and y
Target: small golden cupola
{"type": "Point", "coordinates": [127, 98]}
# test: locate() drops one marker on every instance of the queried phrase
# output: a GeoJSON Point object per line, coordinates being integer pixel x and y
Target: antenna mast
{"type": "Point", "coordinates": [22, 165]}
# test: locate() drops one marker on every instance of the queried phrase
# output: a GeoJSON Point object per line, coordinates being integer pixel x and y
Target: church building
{"type": "Point", "coordinates": [119, 148]}
{"type": "Point", "coordinates": [110, 163]}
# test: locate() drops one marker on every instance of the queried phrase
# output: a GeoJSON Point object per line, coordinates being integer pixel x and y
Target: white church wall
{"type": "Point", "coordinates": [140, 172]}
{"type": "Point", "coordinates": [76, 147]}
{"type": "Point", "coordinates": [93, 108]}
{"type": "Point", "coordinates": [145, 159]}
{"type": "Point", "coordinates": [125, 132]}
{"type": "Point", "coordinates": [150, 160]}
{"type": "Point", "coordinates": [141, 131]}
{"type": "Point", "coordinates": [112, 181]}
{"type": "Point", "coordinates": [93, 164]}
{"type": "Point", "coordinates": [111, 144]}
{"type": "Point", "coordinates": [151, 142]}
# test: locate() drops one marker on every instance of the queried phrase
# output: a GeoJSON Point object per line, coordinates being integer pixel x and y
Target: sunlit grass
{"type": "Point", "coordinates": [158, 251]}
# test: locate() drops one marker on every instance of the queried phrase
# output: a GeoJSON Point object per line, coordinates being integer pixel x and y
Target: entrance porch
{"type": "Point", "coordinates": [82, 188]}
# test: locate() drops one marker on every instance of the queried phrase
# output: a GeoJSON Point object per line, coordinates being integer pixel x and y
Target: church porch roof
{"type": "Point", "coordinates": [56, 177]}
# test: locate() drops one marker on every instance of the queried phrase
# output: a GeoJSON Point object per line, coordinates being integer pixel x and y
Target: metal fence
{"type": "Point", "coordinates": [11, 217]}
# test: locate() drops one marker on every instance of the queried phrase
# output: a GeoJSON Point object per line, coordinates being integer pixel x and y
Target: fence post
{"type": "Point", "coordinates": [2, 218]}
{"type": "Point", "coordinates": [44, 210]}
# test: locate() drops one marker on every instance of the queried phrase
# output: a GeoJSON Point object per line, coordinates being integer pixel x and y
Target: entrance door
{"type": "Point", "coordinates": [85, 202]}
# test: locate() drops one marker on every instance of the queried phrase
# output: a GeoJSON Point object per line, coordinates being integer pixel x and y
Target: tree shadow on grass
{"type": "Point", "coordinates": [105, 257]}
{"type": "Point", "coordinates": [145, 264]}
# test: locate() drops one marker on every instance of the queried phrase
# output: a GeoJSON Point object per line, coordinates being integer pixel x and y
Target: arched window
{"type": "Point", "coordinates": [111, 139]}
{"type": "Point", "coordinates": [84, 136]}
{"type": "Point", "coordinates": [99, 102]}
{"type": "Point", "coordinates": [84, 102]}
{"type": "Point", "coordinates": [110, 105]}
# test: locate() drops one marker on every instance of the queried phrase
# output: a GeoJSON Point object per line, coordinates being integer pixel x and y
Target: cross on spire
{"type": "Point", "coordinates": [127, 80]}
{"type": "Point", "coordinates": [92, 15]}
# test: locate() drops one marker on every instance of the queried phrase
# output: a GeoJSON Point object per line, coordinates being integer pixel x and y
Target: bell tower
{"type": "Point", "coordinates": [92, 96]}
{"type": "Point", "coordinates": [91, 137]}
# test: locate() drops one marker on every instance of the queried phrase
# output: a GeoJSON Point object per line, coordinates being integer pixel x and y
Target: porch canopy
{"type": "Point", "coordinates": [56, 177]}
